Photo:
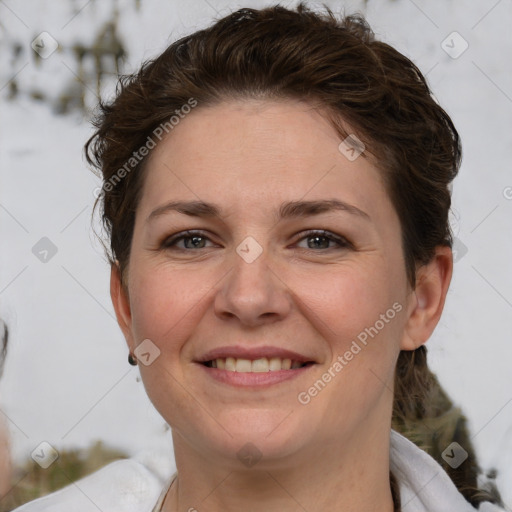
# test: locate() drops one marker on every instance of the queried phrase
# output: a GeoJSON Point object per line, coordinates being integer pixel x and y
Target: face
{"type": "Point", "coordinates": [294, 259]}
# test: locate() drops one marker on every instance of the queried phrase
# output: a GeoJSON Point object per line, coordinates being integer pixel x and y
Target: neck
{"type": "Point", "coordinates": [351, 478]}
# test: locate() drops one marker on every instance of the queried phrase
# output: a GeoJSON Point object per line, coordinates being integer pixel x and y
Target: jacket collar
{"type": "Point", "coordinates": [424, 485]}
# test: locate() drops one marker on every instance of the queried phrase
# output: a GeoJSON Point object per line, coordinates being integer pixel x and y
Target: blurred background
{"type": "Point", "coordinates": [66, 382]}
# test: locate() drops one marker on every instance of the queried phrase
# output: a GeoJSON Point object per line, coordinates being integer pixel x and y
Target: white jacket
{"type": "Point", "coordinates": [133, 485]}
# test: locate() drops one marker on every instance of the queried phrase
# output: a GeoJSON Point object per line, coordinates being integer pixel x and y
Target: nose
{"type": "Point", "coordinates": [252, 293]}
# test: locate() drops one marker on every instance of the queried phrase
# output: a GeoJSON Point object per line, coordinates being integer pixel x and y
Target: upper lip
{"type": "Point", "coordinates": [252, 353]}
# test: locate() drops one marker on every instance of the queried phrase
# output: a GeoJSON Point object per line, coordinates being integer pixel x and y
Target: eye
{"type": "Point", "coordinates": [321, 240]}
{"type": "Point", "coordinates": [196, 239]}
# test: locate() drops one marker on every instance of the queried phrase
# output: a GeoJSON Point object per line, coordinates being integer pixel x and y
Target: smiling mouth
{"type": "Point", "coordinates": [260, 365]}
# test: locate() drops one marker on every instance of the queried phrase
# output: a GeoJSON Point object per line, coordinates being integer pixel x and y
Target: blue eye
{"type": "Point", "coordinates": [325, 237]}
{"type": "Point", "coordinates": [196, 240]}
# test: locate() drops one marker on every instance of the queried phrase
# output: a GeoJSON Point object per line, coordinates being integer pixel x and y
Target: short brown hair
{"type": "Point", "coordinates": [277, 53]}
{"type": "Point", "coordinates": [337, 65]}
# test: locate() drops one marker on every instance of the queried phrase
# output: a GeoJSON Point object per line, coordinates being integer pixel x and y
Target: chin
{"type": "Point", "coordinates": [269, 436]}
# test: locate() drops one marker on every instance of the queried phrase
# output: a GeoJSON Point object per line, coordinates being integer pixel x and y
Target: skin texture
{"type": "Point", "coordinates": [301, 293]}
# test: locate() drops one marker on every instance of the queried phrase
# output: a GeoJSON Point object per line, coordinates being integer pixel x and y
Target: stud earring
{"type": "Point", "coordinates": [132, 360]}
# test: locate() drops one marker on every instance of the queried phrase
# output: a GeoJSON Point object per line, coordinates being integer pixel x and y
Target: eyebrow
{"type": "Point", "coordinates": [290, 209]}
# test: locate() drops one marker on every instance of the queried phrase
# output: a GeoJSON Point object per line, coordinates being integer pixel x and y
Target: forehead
{"type": "Point", "coordinates": [252, 151]}
{"type": "Point", "coordinates": [266, 130]}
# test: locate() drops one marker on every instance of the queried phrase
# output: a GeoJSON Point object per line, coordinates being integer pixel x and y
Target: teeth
{"type": "Point", "coordinates": [230, 364]}
{"type": "Point", "coordinates": [275, 364]}
{"type": "Point", "coordinates": [261, 365]}
{"type": "Point", "coordinates": [243, 365]}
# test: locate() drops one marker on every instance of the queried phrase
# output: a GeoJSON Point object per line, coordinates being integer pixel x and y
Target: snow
{"type": "Point", "coordinates": [67, 380]}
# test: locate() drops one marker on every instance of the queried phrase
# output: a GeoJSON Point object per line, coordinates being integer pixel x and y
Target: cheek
{"type": "Point", "coordinates": [166, 305]}
{"type": "Point", "coordinates": [361, 314]}
{"type": "Point", "coordinates": [165, 301]}
{"type": "Point", "coordinates": [362, 317]}
{"type": "Point", "coordinates": [348, 300]}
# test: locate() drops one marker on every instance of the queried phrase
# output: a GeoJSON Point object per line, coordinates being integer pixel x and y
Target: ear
{"type": "Point", "coordinates": [428, 298]}
{"type": "Point", "coordinates": [121, 302]}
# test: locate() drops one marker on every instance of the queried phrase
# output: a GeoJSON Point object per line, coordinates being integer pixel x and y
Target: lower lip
{"type": "Point", "coordinates": [259, 379]}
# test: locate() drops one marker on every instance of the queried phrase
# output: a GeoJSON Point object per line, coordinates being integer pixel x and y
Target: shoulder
{"type": "Point", "coordinates": [122, 486]}
{"type": "Point", "coordinates": [424, 484]}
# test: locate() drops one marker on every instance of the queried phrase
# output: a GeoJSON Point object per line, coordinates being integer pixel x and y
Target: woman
{"type": "Point", "coordinates": [276, 193]}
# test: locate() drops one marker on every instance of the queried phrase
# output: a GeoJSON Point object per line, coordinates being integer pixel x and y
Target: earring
{"type": "Point", "coordinates": [132, 359]}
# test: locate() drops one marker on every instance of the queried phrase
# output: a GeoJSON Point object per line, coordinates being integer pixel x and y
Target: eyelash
{"type": "Point", "coordinates": [343, 243]}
